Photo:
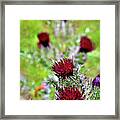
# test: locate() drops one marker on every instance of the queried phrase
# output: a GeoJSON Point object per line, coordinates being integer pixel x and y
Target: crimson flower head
{"type": "Point", "coordinates": [69, 93]}
{"type": "Point", "coordinates": [86, 44]}
{"type": "Point", "coordinates": [63, 68]}
{"type": "Point", "coordinates": [44, 39]}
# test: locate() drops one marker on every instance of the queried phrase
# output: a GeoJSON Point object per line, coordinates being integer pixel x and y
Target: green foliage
{"type": "Point", "coordinates": [95, 95]}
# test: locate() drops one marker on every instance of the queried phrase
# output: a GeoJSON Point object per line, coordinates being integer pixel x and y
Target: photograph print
{"type": "Point", "coordinates": [60, 59]}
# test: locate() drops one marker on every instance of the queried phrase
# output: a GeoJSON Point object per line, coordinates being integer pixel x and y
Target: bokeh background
{"type": "Point", "coordinates": [36, 63]}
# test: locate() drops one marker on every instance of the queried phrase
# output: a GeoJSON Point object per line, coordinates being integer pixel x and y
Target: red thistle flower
{"type": "Point", "coordinates": [63, 68]}
{"type": "Point", "coordinates": [44, 39]}
{"type": "Point", "coordinates": [69, 93]}
{"type": "Point", "coordinates": [86, 44]}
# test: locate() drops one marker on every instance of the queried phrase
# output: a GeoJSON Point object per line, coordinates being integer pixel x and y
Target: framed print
{"type": "Point", "coordinates": [60, 59]}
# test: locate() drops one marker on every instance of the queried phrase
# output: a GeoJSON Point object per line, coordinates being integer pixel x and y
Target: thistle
{"type": "Point", "coordinates": [44, 40]}
{"type": "Point", "coordinates": [86, 44]}
{"type": "Point", "coordinates": [69, 93]}
{"type": "Point", "coordinates": [63, 68]}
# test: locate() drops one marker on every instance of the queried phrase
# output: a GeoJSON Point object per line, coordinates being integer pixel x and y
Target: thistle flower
{"type": "Point", "coordinates": [44, 39]}
{"type": "Point", "coordinates": [69, 93]}
{"type": "Point", "coordinates": [86, 44]}
{"type": "Point", "coordinates": [63, 68]}
{"type": "Point", "coordinates": [96, 81]}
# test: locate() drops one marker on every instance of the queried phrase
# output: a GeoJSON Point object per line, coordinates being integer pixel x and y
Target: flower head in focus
{"type": "Point", "coordinates": [63, 68]}
{"type": "Point", "coordinates": [69, 93]}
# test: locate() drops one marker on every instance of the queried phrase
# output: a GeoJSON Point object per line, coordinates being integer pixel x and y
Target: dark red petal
{"type": "Point", "coordinates": [44, 39]}
{"type": "Point", "coordinates": [63, 67]}
{"type": "Point", "coordinates": [86, 44]}
{"type": "Point", "coordinates": [69, 93]}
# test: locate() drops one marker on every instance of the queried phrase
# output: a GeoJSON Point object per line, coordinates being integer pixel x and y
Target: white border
{"type": "Point", "coordinates": [13, 15]}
